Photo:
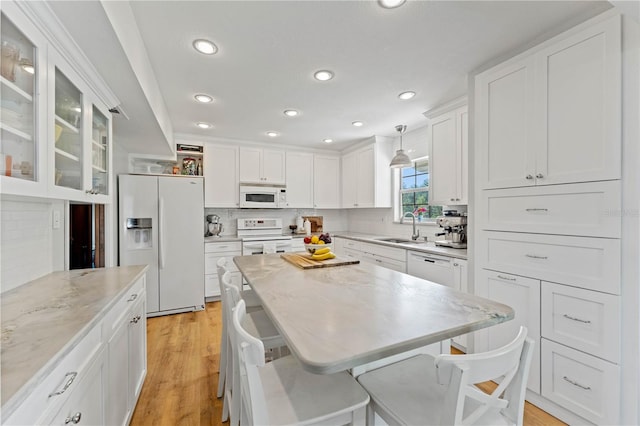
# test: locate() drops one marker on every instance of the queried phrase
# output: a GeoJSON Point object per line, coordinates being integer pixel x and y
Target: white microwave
{"type": "Point", "coordinates": [263, 197]}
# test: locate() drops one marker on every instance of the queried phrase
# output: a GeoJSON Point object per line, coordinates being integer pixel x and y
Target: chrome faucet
{"type": "Point", "coordinates": [416, 233]}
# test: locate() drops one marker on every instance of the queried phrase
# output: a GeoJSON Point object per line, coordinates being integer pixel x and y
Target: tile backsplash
{"type": "Point", "coordinates": [29, 247]}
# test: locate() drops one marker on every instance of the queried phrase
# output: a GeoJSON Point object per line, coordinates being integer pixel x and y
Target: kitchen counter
{"type": "Point", "coordinates": [425, 247]}
{"type": "Point", "coordinates": [43, 320]}
{"type": "Point", "coordinates": [222, 239]}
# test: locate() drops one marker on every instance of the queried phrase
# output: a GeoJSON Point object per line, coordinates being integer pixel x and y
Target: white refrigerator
{"type": "Point", "coordinates": [161, 225]}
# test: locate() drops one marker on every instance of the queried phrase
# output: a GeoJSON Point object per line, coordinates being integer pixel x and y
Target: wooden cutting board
{"type": "Point", "coordinates": [304, 261]}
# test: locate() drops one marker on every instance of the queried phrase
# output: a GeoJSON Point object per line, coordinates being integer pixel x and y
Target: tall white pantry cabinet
{"type": "Point", "coordinates": [548, 176]}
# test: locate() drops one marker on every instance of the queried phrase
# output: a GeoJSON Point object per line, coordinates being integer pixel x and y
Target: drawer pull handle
{"type": "Point", "coordinates": [533, 256]}
{"type": "Point", "coordinates": [135, 319]}
{"type": "Point", "coordinates": [75, 419]}
{"type": "Point", "coordinates": [576, 319]}
{"type": "Point", "coordinates": [574, 383]}
{"type": "Point", "coordinates": [502, 277]}
{"type": "Point", "coordinates": [69, 377]}
{"type": "Point", "coordinates": [537, 210]}
{"type": "Point", "coordinates": [133, 297]}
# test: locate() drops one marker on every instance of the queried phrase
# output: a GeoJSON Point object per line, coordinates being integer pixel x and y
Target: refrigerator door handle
{"type": "Point", "coordinates": [160, 233]}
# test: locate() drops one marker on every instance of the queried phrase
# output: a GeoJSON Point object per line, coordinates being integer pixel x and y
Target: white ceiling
{"type": "Point", "coordinates": [270, 49]}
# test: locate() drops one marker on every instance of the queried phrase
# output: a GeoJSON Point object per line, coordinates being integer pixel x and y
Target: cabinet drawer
{"type": "Point", "coordinates": [592, 263]}
{"type": "Point", "coordinates": [351, 244]}
{"type": "Point", "coordinates": [583, 319]}
{"type": "Point", "coordinates": [136, 292]}
{"type": "Point", "coordinates": [43, 400]}
{"type": "Point", "coordinates": [384, 251]}
{"type": "Point", "coordinates": [211, 261]}
{"type": "Point", "coordinates": [588, 386]}
{"type": "Point", "coordinates": [230, 246]}
{"type": "Point", "coordinates": [587, 209]}
{"type": "Point", "coordinates": [385, 262]}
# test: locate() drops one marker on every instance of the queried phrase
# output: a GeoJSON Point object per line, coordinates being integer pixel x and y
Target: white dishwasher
{"type": "Point", "coordinates": [438, 269]}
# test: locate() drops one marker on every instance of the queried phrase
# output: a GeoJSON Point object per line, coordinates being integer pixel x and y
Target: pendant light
{"type": "Point", "coordinates": [401, 159]}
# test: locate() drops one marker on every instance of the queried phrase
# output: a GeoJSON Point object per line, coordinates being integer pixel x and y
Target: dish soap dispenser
{"type": "Point", "coordinates": [307, 227]}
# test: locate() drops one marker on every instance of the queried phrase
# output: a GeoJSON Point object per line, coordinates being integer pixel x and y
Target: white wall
{"type": "Point", "coordinates": [29, 246]}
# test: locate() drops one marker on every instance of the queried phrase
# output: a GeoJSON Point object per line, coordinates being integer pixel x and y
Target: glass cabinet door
{"type": "Point", "coordinates": [18, 144]}
{"type": "Point", "coordinates": [68, 133]}
{"type": "Point", "coordinates": [100, 152]}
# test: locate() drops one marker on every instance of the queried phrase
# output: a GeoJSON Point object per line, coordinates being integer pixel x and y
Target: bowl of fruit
{"type": "Point", "coordinates": [317, 242]}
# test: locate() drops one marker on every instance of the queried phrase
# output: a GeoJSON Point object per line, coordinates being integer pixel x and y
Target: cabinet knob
{"type": "Point", "coordinates": [529, 177]}
{"type": "Point", "coordinates": [75, 419]}
{"type": "Point", "coordinates": [453, 199]}
{"type": "Point", "coordinates": [539, 175]}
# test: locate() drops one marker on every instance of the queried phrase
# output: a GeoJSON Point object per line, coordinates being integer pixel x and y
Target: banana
{"type": "Point", "coordinates": [322, 251]}
{"type": "Point", "coordinates": [325, 256]}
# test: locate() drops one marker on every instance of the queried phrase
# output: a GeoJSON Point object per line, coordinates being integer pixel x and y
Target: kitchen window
{"type": "Point", "coordinates": [414, 193]}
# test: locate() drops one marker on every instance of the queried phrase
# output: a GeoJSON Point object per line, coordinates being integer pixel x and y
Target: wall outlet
{"type": "Point", "coordinates": [56, 219]}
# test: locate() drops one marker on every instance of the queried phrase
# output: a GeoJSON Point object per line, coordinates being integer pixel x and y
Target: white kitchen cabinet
{"type": "Point", "coordinates": [448, 154]}
{"type": "Point", "coordinates": [299, 177]}
{"type": "Point", "coordinates": [366, 176]}
{"type": "Point", "coordinates": [126, 336]}
{"type": "Point", "coordinates": [263, 166]}
{"type": "Point", "coordinates": [460, 283]}
{"type": "Point", "coordinates": [579, 209]}
{"type": "Point", "coordinates": [584, 384]}
{"type": "Point", "coordinates": [220, 164]}
{"type": "Point", "coordinates": [80, 131]}
{"type": "Point", "coordinates": [56, 127]}
{"type": "Point", "coordinates": [86, 403]}
{"type": "Point", "coordinates": [213, 251]}
{"type": "Point", "coordinates": [431, 267]}
{"type": "Point", "coordinates": [23, 147]}
{"type": "Point", "coordinates": [523, 295]}
{"type": "Point", "coordinates": [591, 263]}
{"type": "Point", "coordinates": [583, 319]}
{"type": "Point", "coordinates": [326, 182]}
{"type": "Point", "coordinates": [552, 115]}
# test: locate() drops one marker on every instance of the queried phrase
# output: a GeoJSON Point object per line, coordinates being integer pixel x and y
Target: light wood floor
{"type": "Point", "coordinates": [182, 376]}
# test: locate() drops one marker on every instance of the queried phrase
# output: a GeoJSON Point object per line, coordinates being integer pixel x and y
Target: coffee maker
{"type": "Point", "coordinates": [455, 229]}
{"type": "Point", "coordinates": [214, 226]}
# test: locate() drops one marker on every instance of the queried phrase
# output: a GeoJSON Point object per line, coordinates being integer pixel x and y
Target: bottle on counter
{"type": "Point", "coordinates": [300, 223]}
{"type": "Point", "coordinates": [199, 168]}
{"type": "Point", "coordinates": [307, 227]}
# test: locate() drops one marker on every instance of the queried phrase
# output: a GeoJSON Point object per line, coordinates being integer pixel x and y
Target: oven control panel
{"type": "Point", "coordinates": [272, 223]}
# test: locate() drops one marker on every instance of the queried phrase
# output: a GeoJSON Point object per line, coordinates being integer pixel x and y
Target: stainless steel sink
{"type": "Point", "coordinates": [398, 240]}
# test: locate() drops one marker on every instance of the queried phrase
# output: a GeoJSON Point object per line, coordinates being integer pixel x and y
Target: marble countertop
{"type": "Point", "coordinates": [425, 247]}
{"type": "Point", "coordinates": [44, 319]}
{"type": "Point", "coordinates": [336, 318]}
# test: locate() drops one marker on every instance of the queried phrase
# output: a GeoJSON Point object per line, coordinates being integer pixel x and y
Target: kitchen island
{"type": "Point", "coordinates": [46, 320]}
{"type": "Point", "coordinates": [338, 318]}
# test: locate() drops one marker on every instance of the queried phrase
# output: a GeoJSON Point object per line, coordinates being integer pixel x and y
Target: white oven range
{"type": "Point", "coordinates": [263, 235]}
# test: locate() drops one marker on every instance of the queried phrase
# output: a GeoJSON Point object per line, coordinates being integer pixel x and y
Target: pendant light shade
{"type": "Point", "coordinates": [401, 159]}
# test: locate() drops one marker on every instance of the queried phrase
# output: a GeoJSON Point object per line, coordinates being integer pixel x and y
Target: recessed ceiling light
{"type": "Point", "coordinates": [203, 125]}
{"type": "Point", "coordinates": [291, 112]}
{"type": "Point", "coordinates": [358, 123]}
{"type": "Point", "coordinates": [406, 95]}
{"type": "Point", "coordinates": [323, 75]}
{"type": "Point", "coordinates": [390, 4]}
{"type": "Point", "coordinates": [205, 99]}
{"type": "Point", "coordinates": [272, 134]}
{"type": "Point", "coordinates": [327, 140]}
{"type": "Point", "coordinates": [205, 46]}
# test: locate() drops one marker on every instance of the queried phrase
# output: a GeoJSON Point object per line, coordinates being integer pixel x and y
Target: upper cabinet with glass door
{"type": "Point", "coordinates": [68, 133]}
{"type": "Point", "coordinates": [81, 137]}
{"type": "Point", "coordinates": [19, 110]}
